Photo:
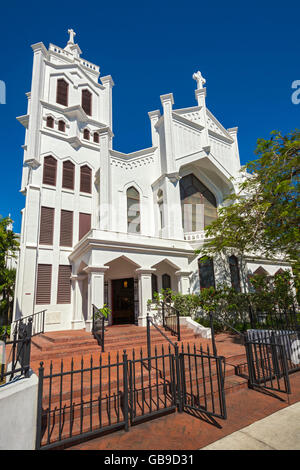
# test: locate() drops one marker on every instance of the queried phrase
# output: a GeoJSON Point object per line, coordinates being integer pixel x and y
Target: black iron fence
{"type": "Point", "coordinates": [80, 401]}
{"type": "Point", "coordinates": [275, 319]}
{"type": "Point", "coordinates": [272, 349]}
{"type": "Point", "coordinates": [171, 319]}
{"type": "Point", "coordinates": [267, 364]}
{"type": "Point", "coordinates": [16, 357]}
{"type": "Point", "coordinates": [98, 328]}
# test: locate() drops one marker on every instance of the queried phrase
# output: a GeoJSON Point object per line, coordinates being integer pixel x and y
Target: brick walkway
{"type": "Point", "coordinates": [184, 432]}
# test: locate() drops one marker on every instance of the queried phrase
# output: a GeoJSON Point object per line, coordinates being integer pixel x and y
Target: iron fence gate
{"type": "Point", "coordinates": [152, 385]}
{"type": "Point", "coordinates": [202, 382]}
{"type": "Point", "coordinates": [78, 402]}
{"type": "Point", "coordinates": [268, 364]}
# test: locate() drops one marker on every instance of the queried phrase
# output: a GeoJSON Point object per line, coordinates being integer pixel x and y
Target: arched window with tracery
{"type": "Point", "coordinates": [133, 211]}
{"type": "Point", "coordinates": [198, 204]}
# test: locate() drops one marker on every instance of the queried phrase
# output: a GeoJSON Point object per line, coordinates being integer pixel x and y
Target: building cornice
{"type": "Point", "coordinates": [133, 155]}
{"type": "Point", "coordinates": [111, 240]}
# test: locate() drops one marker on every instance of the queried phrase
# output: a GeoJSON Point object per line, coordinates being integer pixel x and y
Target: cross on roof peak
{"type": "Point", "coordinates": [199, 79]}
{"type": "Point", "coordinates": [72, 35]}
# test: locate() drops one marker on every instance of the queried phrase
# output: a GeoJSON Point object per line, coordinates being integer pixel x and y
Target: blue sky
{"type": "Point", "coordinates": [247, 51]}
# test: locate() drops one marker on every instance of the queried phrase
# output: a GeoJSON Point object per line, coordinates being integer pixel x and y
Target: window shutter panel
{"type": "Point", "coordinates": [64, 285]}
{"type": "Point", "coordinates": [43, 288]}
{"type": "Point", "coordinates": [86, 134]}
{"type": "Point", "coordinates": [85, 179]}
{"type": "Point", "coordinates": [62, 92]}
{"type": "Point", "coordinates": [68, 175]}
{"type": "Point", "coordinates": [49, 176]}
{"type": "Point", "coordinates": [61, 126]}
{"type": "Point", "coordinates": [46, 226]}
{"type": "Point", "coordinates": [84, 224]}
{"type": "Point", "coordinates": [50, 122]}
{"type": "Point", "coordinates": [86, 102]}
{"type": "Point", "coordinates": [66, 228]}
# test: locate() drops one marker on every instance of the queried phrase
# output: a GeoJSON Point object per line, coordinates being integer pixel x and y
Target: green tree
{"type": "Point", "coordinates": [263, 215]}
{"type": "Point", "coordinates": [9, 246]}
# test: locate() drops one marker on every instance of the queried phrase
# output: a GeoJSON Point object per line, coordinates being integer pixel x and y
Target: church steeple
{"type": "Point", "coordinates": [71, 46]}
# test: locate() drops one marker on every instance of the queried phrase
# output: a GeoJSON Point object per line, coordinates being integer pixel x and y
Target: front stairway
{"type": "Point", "coordinates": [79, 347]}
{"type": "Point", "coordinates": [62, 344]}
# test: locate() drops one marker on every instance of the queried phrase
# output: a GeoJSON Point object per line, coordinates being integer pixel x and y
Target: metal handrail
{"type": "Point", "coordinates": [176, 330]}
{"type": "Point", "coordinates": [38, 322]}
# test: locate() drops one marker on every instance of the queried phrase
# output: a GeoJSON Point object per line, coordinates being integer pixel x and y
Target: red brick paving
{"type": "Point", "coordinates": [180, 431]}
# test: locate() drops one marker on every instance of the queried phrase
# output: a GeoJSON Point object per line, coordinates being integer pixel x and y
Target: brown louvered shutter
{"type": "Point", "coordinates": [66, 228]}
{"type": "Point", "coordinates": [68, 175]}
{"type": "Point", "coordinates": [49, 176]}
{"type": "Point", "coordinates": [43, 288]}
{"type": "Point", "coordinates": [62, 92]}
{"type": "Point", "coordinates": [46, 225]}
{"type": "Point", "coordinates": [85, 179]}
{"type": "Point", "coordinates": [86, 102]}
{"type": "Point", "coordinates": [84, 224]}
{"type": "Point", "coordinates": [64, 285]}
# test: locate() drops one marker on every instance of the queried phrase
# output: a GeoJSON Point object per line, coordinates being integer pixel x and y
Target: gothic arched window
{"type": "Point", "coordinates": [166, 281]}
{"type": "Point", "coordinates": [68, 175]}
{"type": "Point", "coordinates": [206, 273]}
{"type": "Point", "coordinates": [198, 204]}
{"type": "Point", "coordinates": [96, 137]}
{"type": "Point", "coordinates": [50, 166]}
{"type": "Point", "coordinates": [86, 102]}
{"type": "Point", "coordinates": [85, 179]}
{"type": "Point", "coordinates": [62, 126]}
{"type": "Point", "coordinates": [86, 134]}
{"type": "Point", "coordinates": [62, 92]}
{"type": "Point", "coordinates": [133, 210]}
{"type": "Point", "coordinates": [50, 122]}
{"type": "Point", "coordinates": [235, 273]}
{"type": "Point", "coordinates": [154, 284]}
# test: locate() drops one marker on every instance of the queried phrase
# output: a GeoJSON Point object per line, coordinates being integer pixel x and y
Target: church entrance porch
{"type": "Point", "coordinates": [123, 301]}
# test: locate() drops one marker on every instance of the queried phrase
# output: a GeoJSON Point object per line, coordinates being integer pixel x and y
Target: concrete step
{"type": "Point", "coordinates": [54, 345]}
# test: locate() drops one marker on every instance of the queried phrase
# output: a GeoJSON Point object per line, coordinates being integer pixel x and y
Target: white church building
{"type": "Point", "coordinates": [101, 226]}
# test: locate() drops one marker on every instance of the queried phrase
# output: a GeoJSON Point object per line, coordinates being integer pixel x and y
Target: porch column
{"type": "Point", "coordinates": [77, 320]}
{"type": "Point", "coordinates": [145, 293]}
{"type": "Point", "coordinates": [95, 291]}
{"type": "Point", "coordinates": [183, 279]}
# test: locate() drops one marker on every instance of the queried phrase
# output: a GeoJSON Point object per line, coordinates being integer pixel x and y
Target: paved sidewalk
{"type": "Point", "coordinates": [280, 431]}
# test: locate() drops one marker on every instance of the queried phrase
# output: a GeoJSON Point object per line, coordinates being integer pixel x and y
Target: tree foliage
{"type": "Point", "coordinates": [263, 215]}
{"type": "Point", "coordinates": [9, 246]}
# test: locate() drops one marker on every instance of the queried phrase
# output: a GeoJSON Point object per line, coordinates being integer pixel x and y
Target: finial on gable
{"type": "Point", "coordinates": [199, 79]}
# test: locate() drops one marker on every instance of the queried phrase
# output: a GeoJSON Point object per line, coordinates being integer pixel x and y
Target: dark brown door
{"type": "Point", "coordinates": [123, 301]}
